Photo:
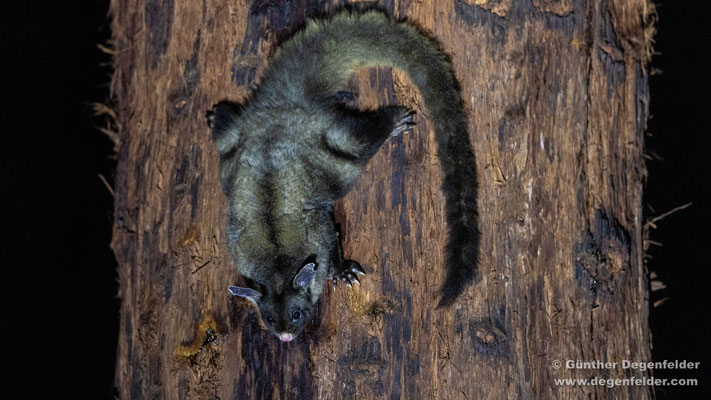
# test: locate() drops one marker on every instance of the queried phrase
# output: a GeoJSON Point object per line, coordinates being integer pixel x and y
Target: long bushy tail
{"type": "Point", "coordinates": [328, 51]}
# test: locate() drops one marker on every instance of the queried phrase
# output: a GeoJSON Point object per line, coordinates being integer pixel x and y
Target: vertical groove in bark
{"type": "Point", "coordinates": [556, 95]}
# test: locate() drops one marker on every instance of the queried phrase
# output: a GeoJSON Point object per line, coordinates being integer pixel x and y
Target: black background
{"type": "Point", "coordinates": [58, 273]}
{"type": "Point", "coordinates": [679, 133]}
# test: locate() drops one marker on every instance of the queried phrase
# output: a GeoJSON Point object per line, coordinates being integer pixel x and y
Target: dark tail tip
{"type": "Point", "coordinates": [461, 265]}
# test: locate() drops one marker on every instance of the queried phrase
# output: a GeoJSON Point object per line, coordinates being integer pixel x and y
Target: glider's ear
{"type": "Point", "coordinates": [250, 294]}
{"type": "Point", "coordinates": [304, 276]}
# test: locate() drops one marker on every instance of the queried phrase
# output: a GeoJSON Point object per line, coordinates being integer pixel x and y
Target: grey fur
{"type": "Point", "coordinates": [294, 148]}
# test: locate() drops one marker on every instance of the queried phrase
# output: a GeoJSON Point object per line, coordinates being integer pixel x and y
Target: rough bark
{"type": "Point", "coordinates": [556, 95]}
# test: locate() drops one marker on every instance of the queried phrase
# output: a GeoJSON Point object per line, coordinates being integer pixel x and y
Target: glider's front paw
{"type": "Point", "coordinates": [348, 274]}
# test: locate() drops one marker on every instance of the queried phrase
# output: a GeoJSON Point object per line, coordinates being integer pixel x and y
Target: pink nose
{"type": "Point", "coordinates": [286, 337]}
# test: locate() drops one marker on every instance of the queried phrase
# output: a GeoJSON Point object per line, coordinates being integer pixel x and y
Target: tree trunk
{"type": "Point", "coordinates": [556, 95]}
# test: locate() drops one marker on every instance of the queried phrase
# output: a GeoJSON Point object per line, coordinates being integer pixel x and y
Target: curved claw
{"type": "Point", "coordinates": [358, 269]}
{"type": "Point", "coordinates": [354, 279]}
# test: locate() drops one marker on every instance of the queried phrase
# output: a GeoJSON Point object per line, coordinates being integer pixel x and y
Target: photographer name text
{"type": "Point", "coordinates": [628, 364]}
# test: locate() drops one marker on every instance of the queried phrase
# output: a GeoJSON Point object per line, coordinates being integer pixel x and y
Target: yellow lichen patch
{"type": "Point", "coordinates": [204, 337]}
{"type": "Point", "coordinates": [358, 300]}
{"type": "Point", "coordinates": [190, 237]}
{"type": "Point", "coordinates": [557, 7]}
{"type": "Point", "coordinates": [498, 7]}
{"type": "Point", "coordinates": [359, 303]}
{"type": "Point", "coordinates": [577, 42]}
